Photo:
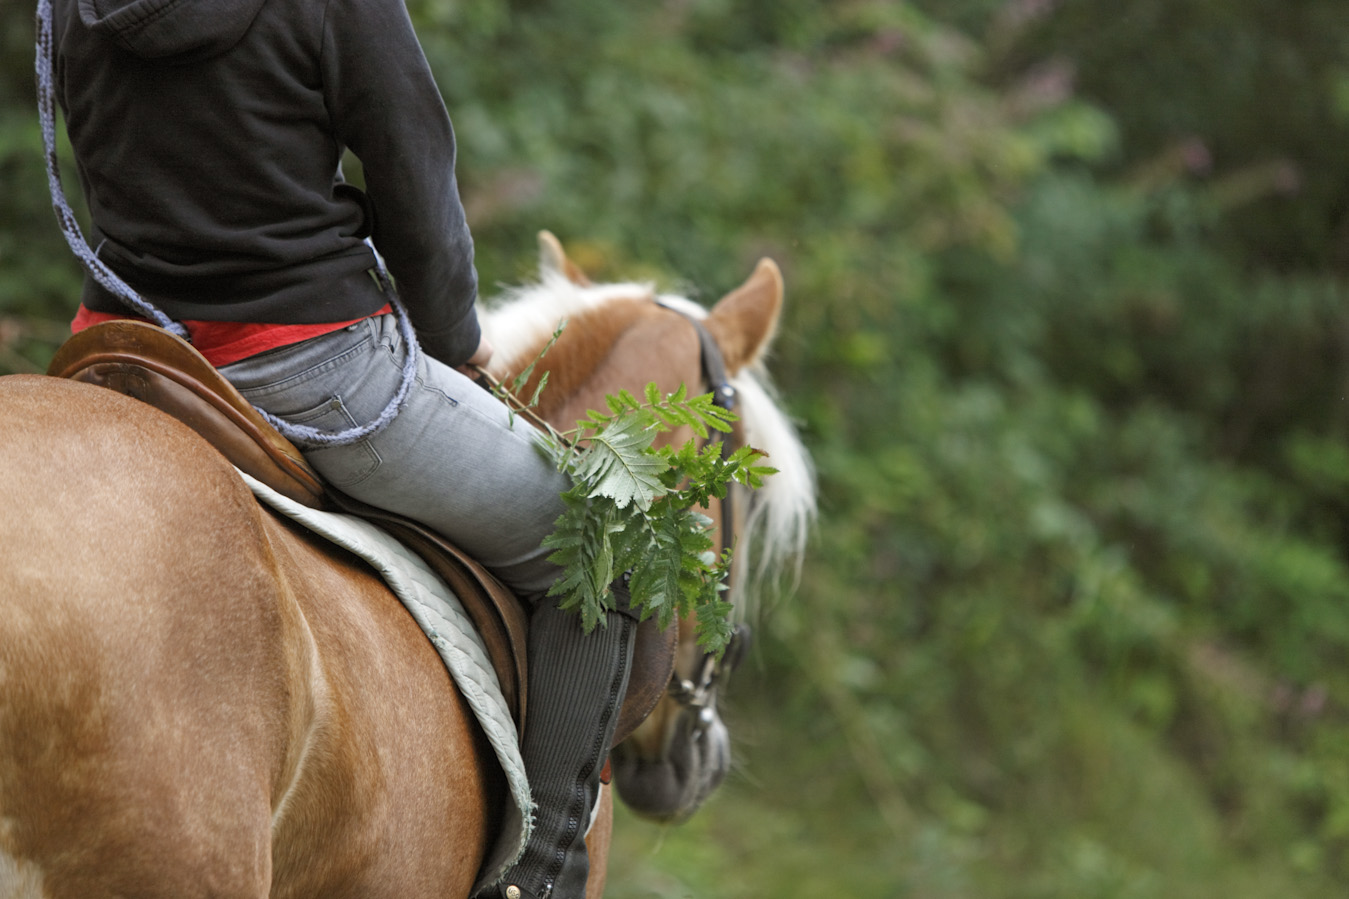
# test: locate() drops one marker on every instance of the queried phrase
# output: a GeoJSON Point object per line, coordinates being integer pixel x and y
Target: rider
{"type": "Point", "coordinates": [208, 136]}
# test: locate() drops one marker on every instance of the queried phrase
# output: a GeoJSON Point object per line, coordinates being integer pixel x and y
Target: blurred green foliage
{"type": "Point", "coordinates": [39, 280]}
{"type": "Point", "coordinates": [1066, 333]}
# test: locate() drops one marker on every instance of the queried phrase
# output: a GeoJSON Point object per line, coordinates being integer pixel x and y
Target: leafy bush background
{"type": "Point", "coordinates": [1067, 333]}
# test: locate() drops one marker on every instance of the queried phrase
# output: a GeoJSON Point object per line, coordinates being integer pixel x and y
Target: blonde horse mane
{"type": "Point", "coordinates": [773, 535]}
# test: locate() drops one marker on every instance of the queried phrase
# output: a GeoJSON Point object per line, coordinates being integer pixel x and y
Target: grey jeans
{"type": "Point", "coordinates": [451, 459]}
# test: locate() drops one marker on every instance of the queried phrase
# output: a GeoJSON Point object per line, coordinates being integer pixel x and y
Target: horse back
{"type": "Point", "coordinates": [195, 699]}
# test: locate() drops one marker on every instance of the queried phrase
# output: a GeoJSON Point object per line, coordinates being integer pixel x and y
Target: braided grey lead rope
{"type": "Point", "coordinates": [46, 108]}
{"type": "Point", "coordinates": [99, 270]}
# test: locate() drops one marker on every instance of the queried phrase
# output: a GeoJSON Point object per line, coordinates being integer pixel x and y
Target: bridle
{"type": "Point", "coordinates": [699, 696]}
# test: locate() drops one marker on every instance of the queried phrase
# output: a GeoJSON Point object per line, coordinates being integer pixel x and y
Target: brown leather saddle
{"type": "Point", "coordinates": [150, 364]}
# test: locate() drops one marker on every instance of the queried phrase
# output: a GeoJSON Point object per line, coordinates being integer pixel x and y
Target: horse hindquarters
{"type": "Point", "coordinates": [196, 700]}
{"type": "Point", "coordinates": [397, 789]}
{"type": "Point", "coordinates": [146, 693]}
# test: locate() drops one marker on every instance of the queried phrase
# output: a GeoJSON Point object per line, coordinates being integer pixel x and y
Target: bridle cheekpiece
{"type": "Point", "coordinates": [700, 696]}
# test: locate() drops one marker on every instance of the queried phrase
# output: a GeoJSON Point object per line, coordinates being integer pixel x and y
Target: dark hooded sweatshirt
{"type": "Point", "coordinates": [209, 133]}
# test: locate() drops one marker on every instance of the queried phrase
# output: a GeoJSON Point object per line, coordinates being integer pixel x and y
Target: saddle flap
{"type": "Point", "coordinates": [653, 664]}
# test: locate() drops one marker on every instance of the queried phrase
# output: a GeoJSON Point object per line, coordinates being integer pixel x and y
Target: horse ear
{"type": "Point", "coordinates": [552, 258]}
{"type": "Point", "coordinates": [744, 321]}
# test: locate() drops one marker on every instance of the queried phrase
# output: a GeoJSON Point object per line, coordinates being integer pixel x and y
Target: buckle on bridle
{"type": "Point", "coordinates": [701, 697]}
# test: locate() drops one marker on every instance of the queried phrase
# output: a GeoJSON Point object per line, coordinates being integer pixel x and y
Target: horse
{"type": "Point", "coordinates": [200, 698]}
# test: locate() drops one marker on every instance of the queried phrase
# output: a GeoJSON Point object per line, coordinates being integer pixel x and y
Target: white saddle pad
{"type": "Point", "coordinates": [443, 619]}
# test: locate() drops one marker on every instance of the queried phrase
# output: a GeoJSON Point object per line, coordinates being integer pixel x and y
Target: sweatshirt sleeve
{"type": "Point", "coordinates": [386, 107]}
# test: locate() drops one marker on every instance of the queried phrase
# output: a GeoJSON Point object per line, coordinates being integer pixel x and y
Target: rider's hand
{"type": "Point", "coordinates": [481, 356]}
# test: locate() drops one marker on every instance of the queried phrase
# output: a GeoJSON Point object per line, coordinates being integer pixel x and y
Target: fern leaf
{"type": "Point", "coordinates": [617, 463]}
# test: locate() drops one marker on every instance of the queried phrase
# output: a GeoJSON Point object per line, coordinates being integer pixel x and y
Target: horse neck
{"type": "Point", "coordinates": [613, 338]}
{"type": "Point", "coordinates": [617, 337]}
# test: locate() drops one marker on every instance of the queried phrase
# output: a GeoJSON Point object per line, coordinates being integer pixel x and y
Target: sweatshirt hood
{"type": "Point", "coordinates": [172, 30]}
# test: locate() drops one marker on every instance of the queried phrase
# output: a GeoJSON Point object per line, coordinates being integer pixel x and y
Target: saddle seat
{"type": "Point", "coordinates": [146, 362]}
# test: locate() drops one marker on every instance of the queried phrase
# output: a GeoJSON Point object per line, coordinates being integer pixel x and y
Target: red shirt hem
{"type": "Point", "coordinates": [225, 342]}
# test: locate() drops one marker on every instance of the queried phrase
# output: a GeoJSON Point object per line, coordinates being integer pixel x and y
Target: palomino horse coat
{"type": "Point", "coordinates": [198, 699]}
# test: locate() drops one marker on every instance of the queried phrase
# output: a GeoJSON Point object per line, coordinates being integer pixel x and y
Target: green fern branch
{"type": "Point", "coordinates": [639, 508]}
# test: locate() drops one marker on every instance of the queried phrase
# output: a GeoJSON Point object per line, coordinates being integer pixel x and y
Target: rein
{"type": "Point", "coordinates": [105, 276]}
{"type": "Point", "coordinates": [70, 229]}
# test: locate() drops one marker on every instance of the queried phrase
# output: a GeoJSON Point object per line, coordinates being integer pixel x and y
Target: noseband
{"type": "Point", "coordinates": [700, 696]}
